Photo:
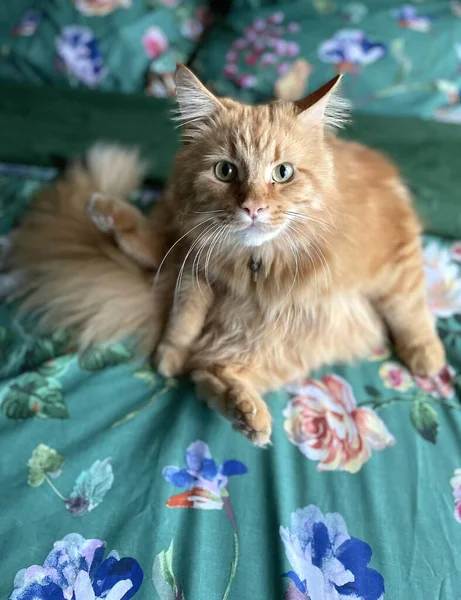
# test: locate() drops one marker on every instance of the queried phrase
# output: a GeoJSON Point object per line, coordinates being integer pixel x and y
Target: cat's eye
{"type": "Point", "coordinates": [283, 173]}
{"type": "Point", "coordinates": [225, 171]}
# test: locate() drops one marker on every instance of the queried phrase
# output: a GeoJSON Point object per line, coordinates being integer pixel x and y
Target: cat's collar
{"type": "Point", "coordinates": [255, 266]}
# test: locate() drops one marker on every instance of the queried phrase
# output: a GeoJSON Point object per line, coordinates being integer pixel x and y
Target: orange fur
{"type": "Point", "coordinates": [339, 246]}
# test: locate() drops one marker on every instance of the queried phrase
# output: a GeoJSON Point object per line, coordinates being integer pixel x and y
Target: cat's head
{"type": "Point", "coordinates": [256, 173]}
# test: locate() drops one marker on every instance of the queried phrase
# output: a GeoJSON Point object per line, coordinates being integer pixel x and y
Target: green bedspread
{"type": "Point", "coordinates": [359, 493]}
{"type": "Point", "coordinates": [118, 484]}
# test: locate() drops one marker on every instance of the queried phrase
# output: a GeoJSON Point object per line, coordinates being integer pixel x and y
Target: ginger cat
{"type": "Point", "coordinates": [278, 248]}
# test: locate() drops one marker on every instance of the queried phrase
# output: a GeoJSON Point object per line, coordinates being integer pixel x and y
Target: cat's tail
{"type": "Point", "coordinates": [70, 272]}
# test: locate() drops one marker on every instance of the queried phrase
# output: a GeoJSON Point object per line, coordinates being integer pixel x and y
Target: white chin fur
{"type": "Point", "coordinates": [253, 238]}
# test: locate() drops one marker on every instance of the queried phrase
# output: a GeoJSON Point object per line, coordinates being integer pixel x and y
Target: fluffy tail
{"type": "Point", "coordinates": [74, 274]}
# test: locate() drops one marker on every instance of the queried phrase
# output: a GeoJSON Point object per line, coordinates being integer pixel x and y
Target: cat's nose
{"type": "Point", "coordinates": [253, 209]}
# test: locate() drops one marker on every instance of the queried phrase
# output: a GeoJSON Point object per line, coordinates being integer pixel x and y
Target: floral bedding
{"type": "Point", "coordinates": [400, 58]}
{"type": "Point", "coordinates": [118, 484]}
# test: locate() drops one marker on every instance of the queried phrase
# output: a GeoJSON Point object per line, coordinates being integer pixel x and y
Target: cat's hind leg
{"type": "Point", "coordinates": [130, 229]}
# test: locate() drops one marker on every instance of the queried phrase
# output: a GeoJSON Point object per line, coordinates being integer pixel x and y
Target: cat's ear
{"type": "Point", "coordinates": [195, 102]}
{"type": "Point", "coordinates": [324, 106]}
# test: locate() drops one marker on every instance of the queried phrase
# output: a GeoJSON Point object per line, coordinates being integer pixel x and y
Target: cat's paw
{"type": "Point", "coordinates": [170, 359]}
{"type": "Point", "coordinates": [425, 359]}
{"type": "Point", "coordinates": [100, 209]}
{"type": "Point", "coordinates": [250, 416]}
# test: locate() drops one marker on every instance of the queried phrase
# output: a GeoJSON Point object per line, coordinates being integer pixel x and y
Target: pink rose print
{"type": "Point", "coordinates": [231, 56]}
{"type": "Point", "coordinates": [229, 71]}
{"type": "Point", "coordinates": [259, 25]}
{"type": "Point", "coordinates": [283, 68]}
{"type": "Point", "coordinates": [378, 354]}
{"type": "Point", "coordinates": [192, 29]}
{"type": "Point", "coordinates": [443, 281]}
{"type": "Point", "coordinates": [293, 27]}
{"type": "Point", "coordinates": [456, 251]}
{"type": "Point", "coordinates": [239, 44]}
{"type": "Point", "coordinates": [455, 483]}
{"type": "Point", "coordinates": [262, 45]}
{"type": "Point", "coordinates": [276, 18]}
{"type": "Point", "coordinates": [323, 420]}
{"type": "Point", "coordinates": [440, 386]}
{"type": "Point", "coordinates": [155, 42]}
{"type": "Point", "coordinates": [246, 81]}
{"type": "Point", "coordinates": [396, 377]}
{"type": "Point", "coordinates": [251, 59]}
{"type": "Point", "coordinates": [268, 59]}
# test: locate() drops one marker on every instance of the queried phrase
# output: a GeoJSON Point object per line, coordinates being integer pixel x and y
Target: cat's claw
{"type": "Point", "coordinates": [97, 205]}
{"type": "Point", "coordinates": [247, 418]}
{"type": "Point", "coordinates": [424, 360]}
{"type": "Point", "coordinates": [170, 359]}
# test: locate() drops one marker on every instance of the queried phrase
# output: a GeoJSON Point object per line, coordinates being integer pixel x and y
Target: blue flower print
{"type": "Point", "coordinates": [79, 54]}
{"type": "Point", "coordinates": [407, 17]}
{"type": "Point", "coordinates": [205, 483]}
{"type": "Point", "coordinates": [327, 563]}
{"type": "Point", "coordinates": [349, 49]}
{"type": "Point", "coordinates": [75, 570]}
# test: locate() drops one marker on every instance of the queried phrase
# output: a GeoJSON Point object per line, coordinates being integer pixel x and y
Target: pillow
{"type": "Point", "coordinates": [399, 59]}
{"type": "Point", "coordinates": [118, 45]}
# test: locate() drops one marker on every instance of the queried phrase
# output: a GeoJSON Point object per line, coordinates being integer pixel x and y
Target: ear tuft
{"type": "Point", "coordinates": [196, 104]}
{"type": "Point", "coordinates": [337, 112]}
{"type": "Point", "coordinates": [325, 106]}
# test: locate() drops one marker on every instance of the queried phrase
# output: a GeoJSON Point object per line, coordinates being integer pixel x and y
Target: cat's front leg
{"type": "Point", "coordinates": [185, 323]}
{"type": "Point", "coordinates": [403, 304]}
{"type": "Point", "coordinates": [229, 391]}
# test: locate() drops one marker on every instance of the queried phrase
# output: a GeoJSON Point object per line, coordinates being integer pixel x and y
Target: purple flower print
{"type": "Point", "coordinates": [408, 17]}
{"type": "Point", "coordinates": [205, 483]}
{"type": "Point", "coordinates": [262, 45]}
{"type": "Point", "coordinates": [75, 570]}
{"type": "Point", "coordinates": [78, 51]}
{"type": "Point", "coordinates": [327, 563]}
{"type": "Point", "coordinates": [349, 49]}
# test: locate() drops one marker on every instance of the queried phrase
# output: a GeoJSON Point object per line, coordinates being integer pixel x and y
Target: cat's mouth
{"type": "Point", "coordinates": [256, 234]}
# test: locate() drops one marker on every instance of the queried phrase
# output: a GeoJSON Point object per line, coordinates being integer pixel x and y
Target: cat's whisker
{"type": "Point", "coordinates": [207, 212]}
{"type": "Point", "coordinates": [321, 256]}
{"type": "Point", "coordinates": [326, 226]}
{"type": "Point", "coordinates": [292, 227]}
{"type": "Point", "coordinates": [316, 248]}
{"type": "Point", "coordinates": [177, 288]}
{"type": "Point", "coordinates": [196, 263]}
{"type": "Point", "coordinates": [196, 266]}
{"type": "Point", "coordinates": [157, 275]}
{"type": "Point", "coordinates": [294, 251]}
{"type": "Point", "coordinates": [212, 246]}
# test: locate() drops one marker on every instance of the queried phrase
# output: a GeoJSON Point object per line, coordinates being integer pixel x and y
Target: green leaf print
{"type": "Point", "coordinates": [55, 366]}
{"type": "Point", "coordinates": [147, 374]}
{"type": "Point", "coordinates": [372, 391]}
{"type": "Point", "coordinates": [90, 487]}
{"type": "Point", "coordinates": [424, 418]}
{"type": "Point", "coordinates": [46, 348]}
{"type": "Point", "coordinates": [98, 357]}
{"type": "Point", "coordinates": [31, 395]}
{"type": "Point", "coordinates": [44, 461]}
{"type": "Point", "coordinates": [163, 576]}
